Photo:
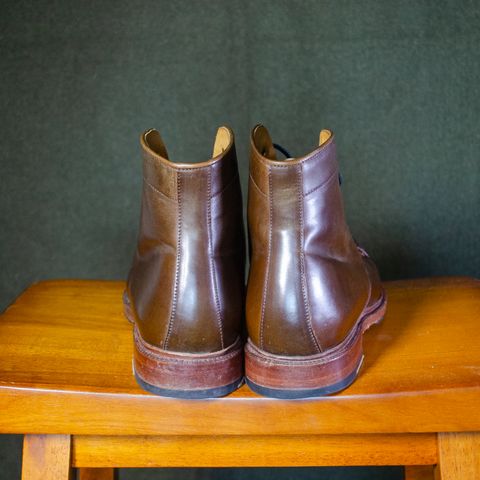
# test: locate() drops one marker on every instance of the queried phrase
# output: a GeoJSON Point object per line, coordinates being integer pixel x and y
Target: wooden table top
{"type": "Point", "coordinates": [65, 367]}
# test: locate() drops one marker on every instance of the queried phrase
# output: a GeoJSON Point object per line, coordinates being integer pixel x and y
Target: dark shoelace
{"type": "Point", "coordinates": [285, 152]}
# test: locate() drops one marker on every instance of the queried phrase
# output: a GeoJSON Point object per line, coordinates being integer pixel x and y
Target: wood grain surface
{"type": "Point", "coordinates": [458, 456]}
{"type": "Point", "coordinates": [419, 472]}
{"type": "Point", "coordinates": [96, 474]}
{"type": "Point", "coordinates": [46, 457]}
{"type": "Point", "coordinates": [253, 451]}
{"type": "Point", "coordinates": [66, 352]}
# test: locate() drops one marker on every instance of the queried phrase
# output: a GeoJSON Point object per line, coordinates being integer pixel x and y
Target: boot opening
{"type": "Point", "coordinates": [324, 137]}
{"type": "Point", "coordinates": [223, 139]}
{"type": "Point", "coordinates": [263, 142]}
{"type": "Point", "coordinates": [154, 142]}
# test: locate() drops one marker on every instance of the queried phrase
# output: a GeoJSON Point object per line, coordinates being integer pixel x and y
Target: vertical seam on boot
{"type": "Point", "coordinates": [267, 273]}
{"type": "Point", "coordinates": [301, 235]}
{"type": "Point", "coordinates": [173, 307]}
{"type": "Point", "coordinates": [213, 277]}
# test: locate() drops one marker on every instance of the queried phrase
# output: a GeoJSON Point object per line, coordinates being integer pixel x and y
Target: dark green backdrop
{"type": "Point", "coordinates": [398, 82]}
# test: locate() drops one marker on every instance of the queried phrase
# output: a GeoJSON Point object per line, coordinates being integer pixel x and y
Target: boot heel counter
{"type": "Point", "coordinates": [282, 311]}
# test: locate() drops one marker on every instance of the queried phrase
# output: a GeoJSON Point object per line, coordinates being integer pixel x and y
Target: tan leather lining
{"type": "Point", "coordinates": [154, 146]}
{"type": "Point", "coordinates": [264, 146]}
{"type": "Point", "coordinates": [223, 138]}
{"type": "Point", "coordinates": [154, 141]}
{"type": "Point", "coordinates": [324, 137]}
{"type": "Point", "coordinates": [263, 142]}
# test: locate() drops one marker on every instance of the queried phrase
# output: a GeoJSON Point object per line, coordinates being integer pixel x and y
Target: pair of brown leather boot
{"type": "Point", "coordinates": [311, 292]}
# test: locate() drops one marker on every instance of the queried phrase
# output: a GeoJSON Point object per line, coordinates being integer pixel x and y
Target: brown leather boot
{"type": "Point", "coordinates": [311, 292]}
{"type": "Point", "coordinates": [185, 290]}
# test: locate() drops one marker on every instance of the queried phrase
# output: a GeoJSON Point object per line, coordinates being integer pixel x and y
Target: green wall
{"type": "Point", "coordinates": [398, 82]}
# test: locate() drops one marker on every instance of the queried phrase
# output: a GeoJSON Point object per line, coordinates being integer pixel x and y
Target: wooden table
{"type": "Point", "coordinates": [66, 383]}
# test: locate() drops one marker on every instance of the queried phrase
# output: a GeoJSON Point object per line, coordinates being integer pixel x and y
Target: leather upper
{"type": "Point", "coordinates": [308, 282]}
{"type": "Point", "coordinates": [186, 283]}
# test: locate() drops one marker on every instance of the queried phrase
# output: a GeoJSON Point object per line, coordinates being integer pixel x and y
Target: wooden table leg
{"type": "Point", "coordinates": [416, 472]}
{"type": "Point", "coordinates": [46, 457]}
{"type": "Point", "coordinates": [458, 456]}
{"type": "Point", "coordinates": [96, 474]}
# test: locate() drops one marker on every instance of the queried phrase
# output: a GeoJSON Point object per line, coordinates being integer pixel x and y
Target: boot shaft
{"type": "Point", "coordinates": [187, 278]}
{"type": "Point", "coordinates": [308, 283]}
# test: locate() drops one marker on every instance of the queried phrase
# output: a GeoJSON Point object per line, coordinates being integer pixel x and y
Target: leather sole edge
{"type": "Point", "coordinates": [190, 394]}
{"type": "Point", "coordinates": [185, 375]}
{"type": "Point", "coordinates": [310, 376]}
